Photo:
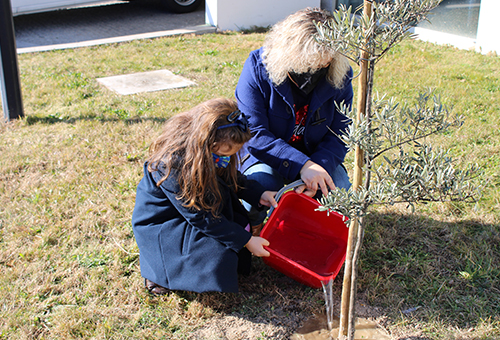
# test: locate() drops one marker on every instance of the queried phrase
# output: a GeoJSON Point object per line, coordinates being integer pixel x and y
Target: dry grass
{"type": "Point", "coordinates": [68, 258]}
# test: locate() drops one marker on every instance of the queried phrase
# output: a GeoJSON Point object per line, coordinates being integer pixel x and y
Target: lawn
{"type": "Point", "coordinates": [69, 264]}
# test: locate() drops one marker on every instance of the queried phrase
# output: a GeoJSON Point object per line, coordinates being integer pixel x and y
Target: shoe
{"type": "Point", "coordinates": [155, 289]}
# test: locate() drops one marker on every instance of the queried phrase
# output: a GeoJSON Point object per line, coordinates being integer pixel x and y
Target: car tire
{"type": "Point", "coordinates": [181, 6]}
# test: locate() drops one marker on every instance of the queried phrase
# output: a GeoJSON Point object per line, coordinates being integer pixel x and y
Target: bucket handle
{"type": "Point", "coordinates": [286, 188]}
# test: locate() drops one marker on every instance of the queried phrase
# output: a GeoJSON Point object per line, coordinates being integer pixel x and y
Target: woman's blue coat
{"type": "Point", "coordinates": [270, 112]}
{"type": "Point", "coordinates": [185, 249]}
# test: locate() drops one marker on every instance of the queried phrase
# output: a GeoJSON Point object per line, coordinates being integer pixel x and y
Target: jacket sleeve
{"type": "Point", "coordinates": [254, 95]}
{"type": "Point", "coordinates": [226, 232]}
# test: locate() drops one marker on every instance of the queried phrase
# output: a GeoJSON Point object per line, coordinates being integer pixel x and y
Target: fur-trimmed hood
{"type": "Point", "coordinates": [291, 46]}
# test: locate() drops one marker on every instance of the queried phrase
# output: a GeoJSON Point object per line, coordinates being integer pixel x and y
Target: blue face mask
{"type": "Point", "coordinates": [221, 161]}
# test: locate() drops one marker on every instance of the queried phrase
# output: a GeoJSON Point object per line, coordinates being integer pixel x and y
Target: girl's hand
{"type": "Point", "coordinates": [268, 200]}
{"type": "Point", "coordinates": [256, 246]}
{"type": "Point", "coordinates": [316, 177]}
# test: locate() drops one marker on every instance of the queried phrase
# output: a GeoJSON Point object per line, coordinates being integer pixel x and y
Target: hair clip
{"type": "Point", "coordinates": [233, 115]}
{"type": "Point", "coordinates": [236, 118]}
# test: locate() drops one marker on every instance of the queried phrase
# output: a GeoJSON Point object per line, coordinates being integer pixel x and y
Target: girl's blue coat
{"type": "Point", "coordinates": [270, 112]}
{"type": "Point", "coordinates": [185, 249]}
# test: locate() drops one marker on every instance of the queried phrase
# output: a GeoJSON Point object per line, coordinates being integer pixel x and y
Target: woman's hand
{"type": "Point", "coordinates": [315, 177]}
{"type": "Point", "coordinates": [302, 189]}
{"type": "Point", "coordinates": [268, 200]}
{"type": "Point", "coordinates": [256, 246]}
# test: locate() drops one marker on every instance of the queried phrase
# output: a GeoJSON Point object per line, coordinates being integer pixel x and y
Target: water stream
{"type": "Point", "coordinates": [326, 326]}
{"type": "Point", "coordinates": [328, 291]}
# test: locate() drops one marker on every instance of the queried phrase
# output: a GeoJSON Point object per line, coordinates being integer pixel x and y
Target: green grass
{"type": "Point", "coordinates": [68, 259]}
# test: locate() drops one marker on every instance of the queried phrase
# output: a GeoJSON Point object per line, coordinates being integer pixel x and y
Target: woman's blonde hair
{"type": "Point", "coordinates": [186, 145]}
{"type": "Point", "coordinates": [291, 46]}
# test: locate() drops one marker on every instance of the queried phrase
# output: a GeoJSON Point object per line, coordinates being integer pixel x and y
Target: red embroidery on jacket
{"type": "Point", "coordinates": [300, 125]}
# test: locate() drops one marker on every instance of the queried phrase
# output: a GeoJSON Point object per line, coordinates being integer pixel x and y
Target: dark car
{"type": "Point", "coordinates": [35, 6]}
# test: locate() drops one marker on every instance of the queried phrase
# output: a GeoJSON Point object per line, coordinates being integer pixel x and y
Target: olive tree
{"type": "Point", "coordinates": [393, 161]}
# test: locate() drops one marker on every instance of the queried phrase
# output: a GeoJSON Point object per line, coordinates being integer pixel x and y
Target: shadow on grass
{"type": "Point", "coordinates": [413, 267]}
{"type": "Point", "coordinates": [426, 270]}
{"type": "Point", "coordinates": [54, 119]}
{"type": "Point", "coordinates": [268, 302]}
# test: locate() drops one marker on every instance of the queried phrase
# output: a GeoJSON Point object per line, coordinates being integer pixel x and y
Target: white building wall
{"type": "Point", "coordinates": [236, 15]}
{"type": "Point", "coordinates": [488, 27]}
{"type": "Point", "coordinates": [443, 38]}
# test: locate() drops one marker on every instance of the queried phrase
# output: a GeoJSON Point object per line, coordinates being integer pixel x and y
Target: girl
{"type": "Point", "coordinates": [191, 229]}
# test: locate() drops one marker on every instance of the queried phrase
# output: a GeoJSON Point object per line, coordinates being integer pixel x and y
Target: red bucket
{"type": "Point", "coordinates": [307, 245]}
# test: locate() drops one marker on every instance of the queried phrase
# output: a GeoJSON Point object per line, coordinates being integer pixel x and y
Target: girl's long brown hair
{"type": "Point", "coordinates": [186, 144]}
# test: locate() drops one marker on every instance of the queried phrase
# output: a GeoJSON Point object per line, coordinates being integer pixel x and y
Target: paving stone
{"type": "Point", "coordinates": [145, 82]}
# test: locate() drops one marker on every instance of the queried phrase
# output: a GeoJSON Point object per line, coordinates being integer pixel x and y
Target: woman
{"type": "Point", "coordinates": [290, 90]}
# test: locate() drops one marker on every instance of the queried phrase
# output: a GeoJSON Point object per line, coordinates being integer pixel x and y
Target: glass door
{"type": "Point", "coordinates": [354, 3]}
{"type": "Point", "coordinates": [458, 17]}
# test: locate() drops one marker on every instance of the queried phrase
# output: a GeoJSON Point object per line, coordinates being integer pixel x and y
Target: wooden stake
{"type": "Point", "coordinates": [346, 327]}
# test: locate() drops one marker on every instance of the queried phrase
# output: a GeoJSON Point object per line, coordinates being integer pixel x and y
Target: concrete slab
{"type": "Point", "coordinates": [145, 82]}
{"type": "Point", "coordinates": [201, 29]}
{"type": "Point", "coordinates": [98, 25]}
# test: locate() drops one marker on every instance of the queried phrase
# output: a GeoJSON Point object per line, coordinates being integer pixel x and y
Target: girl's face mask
{"type": "Point", "coordinates": [221, 161]}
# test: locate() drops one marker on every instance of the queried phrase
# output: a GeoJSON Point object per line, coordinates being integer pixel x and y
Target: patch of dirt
{"type": "Point", "coordinates": [270, 306]}
{"type": "Point", "coordinates": [237, 327]}
{"type": "Point", "coordinates": [232, 327]}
